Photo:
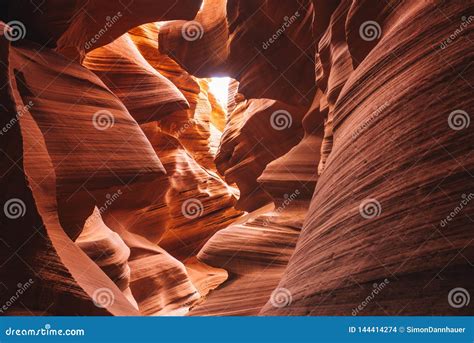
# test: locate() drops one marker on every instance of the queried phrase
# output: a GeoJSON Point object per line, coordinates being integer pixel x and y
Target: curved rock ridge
{"type": "Point", "coordinates": [337, 178]}
{"type": "Point", "coordinates": [76, 27]}
{"type": "Point", "coordinates": [204, 277]}
{"type": "Point", "coordinates": [193, 127]}
{"type": "Point", "coordinates": [244, 40]}
{"type": "Point", "coordinates": [147, 94]}
{"type": "Point", "coordinates": [107, 249]}
{"type": "Point", "coordinates": [297, 169]}
{"type": "Point", "coordinates": [37, 256]}
{"type": "Point", "coordinates": [196, 128]}
{"type": "Point", "coordinates": [145, 38]}
{"type": "Point", "coordinates": [202, 37]}
{"type": "Point", "coordinates": [399, 165]}
{"type": "Point", "coordinates": [159, 282]}
{"type": "Point", "coordinates": [180, 211]}
{"type": "Point", "coordinates": [161, 212]}
{"type": "Point", "coordinates": [332, 51]}
{"type": "Point", "coordinates": [87, 130]}
{"type": "Point", "coordinates": [121, 191]}
{"type": "Point", "coordinates": [198, 201]}
{"type": "Point", "coordinates": [257, 132]}
{"type": "Point", "coordinates": [256, 249]}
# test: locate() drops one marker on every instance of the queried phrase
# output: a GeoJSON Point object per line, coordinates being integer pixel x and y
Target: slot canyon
{"type": "Point", "coordinates": [236, 157]}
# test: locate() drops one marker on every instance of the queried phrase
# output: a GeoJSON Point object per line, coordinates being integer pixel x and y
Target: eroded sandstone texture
{"type": "Point", "coordinates": [337, 178]}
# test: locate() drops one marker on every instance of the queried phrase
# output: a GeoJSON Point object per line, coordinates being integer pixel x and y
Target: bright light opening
{"type": "Point", "coordinates": [219, 86]}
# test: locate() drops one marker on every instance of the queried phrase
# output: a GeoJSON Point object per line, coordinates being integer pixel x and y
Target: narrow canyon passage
{"type": "Point", "coordinates": [236, 157]}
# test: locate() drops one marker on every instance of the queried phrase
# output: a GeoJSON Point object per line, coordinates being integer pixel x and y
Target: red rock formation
{"type": "Point", "coordinates": [257, 31]}
{"type": "Point", "coordinates": [107, 249]}
{"type": "Point", "coordinates": [257, 132]}
{"type": "Point", "coordinates": [347, 133]}
{"type": "Point", "coordinates": [188, 210]}
{"type": "Point", "coordinates": [256, 250]}
{"type": "Point", "coordinates": [80, 26]}
{"type": "Point", "coordinates": [36, 249]}
{"type": "Point", "coordinates": [160, 214]}
{"type": "Point", "coordinates": [399, 164]}
{"type": "Point", "coordinates": [159, 282]}
{"type": "Point", "coordinates": [80, 117]}
{"type": "Point", "coordinates": [357, 94]}
{"type": "Point", "coordinates": [147, 94]}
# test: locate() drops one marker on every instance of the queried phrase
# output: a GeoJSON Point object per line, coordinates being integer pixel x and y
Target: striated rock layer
{"type": "Point", "coordinates": [37, 250]}
{"type": "Point", "coordinates": [115, 198]}
{"type": "Point", "coordinates": [397, 167]}
{"type": "Point", "coordinates": [345, 138]}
